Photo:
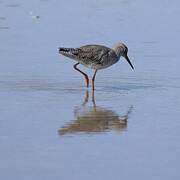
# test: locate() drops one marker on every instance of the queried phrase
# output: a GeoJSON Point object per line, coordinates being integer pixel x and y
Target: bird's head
{"type": "Point", "coordinates": [122, 50]}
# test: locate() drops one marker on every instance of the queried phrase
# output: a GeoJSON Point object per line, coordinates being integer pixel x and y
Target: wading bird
{"type": "Point", "coordinates": [96, 57]}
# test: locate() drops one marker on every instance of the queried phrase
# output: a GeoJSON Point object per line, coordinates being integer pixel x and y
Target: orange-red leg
{"type": "Point", "coordinates": [93, 79]}
{"type": "Point", "coordinates": [85, 75]}
{"type": "Point", "coordinates": [86, 98]}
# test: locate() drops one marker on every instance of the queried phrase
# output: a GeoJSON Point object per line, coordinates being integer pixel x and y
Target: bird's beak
{"type": "Point", "coordinates": [127, 59]}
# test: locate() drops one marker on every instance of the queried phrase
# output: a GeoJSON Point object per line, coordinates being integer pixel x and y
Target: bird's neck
{"type": "Point", "coordinates": [118, 51]}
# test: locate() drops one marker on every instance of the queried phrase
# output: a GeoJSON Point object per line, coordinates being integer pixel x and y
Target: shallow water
{"type": "Point", "coordinates": [51, 127]}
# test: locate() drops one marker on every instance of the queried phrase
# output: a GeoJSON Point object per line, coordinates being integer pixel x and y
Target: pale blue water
{"type": "Point", "coordinates": [49, 129]}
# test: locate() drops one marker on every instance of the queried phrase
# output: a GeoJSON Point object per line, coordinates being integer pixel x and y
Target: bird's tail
{"type": "Point", "coordinates": [69, 52]}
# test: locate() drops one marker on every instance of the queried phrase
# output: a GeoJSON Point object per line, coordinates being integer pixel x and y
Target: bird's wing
{"type": "Point", "coordinates": [94, 53]}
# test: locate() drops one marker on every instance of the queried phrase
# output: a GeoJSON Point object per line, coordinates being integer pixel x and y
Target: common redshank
{"type": "Point", "coordinates": [96, 57]}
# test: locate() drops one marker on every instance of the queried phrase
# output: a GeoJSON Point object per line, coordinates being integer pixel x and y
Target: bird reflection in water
{"type": "Point", "coordinates": [95, 119]}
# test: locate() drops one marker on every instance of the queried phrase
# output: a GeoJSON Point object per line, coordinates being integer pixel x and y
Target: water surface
{"type": "Point", "coordinates": [51, 127]}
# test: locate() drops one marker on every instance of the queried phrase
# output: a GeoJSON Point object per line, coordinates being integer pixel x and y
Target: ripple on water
{"type": "Point", "coordinates": [43, 84]}
{"type": "Point", "coordinates": [4, 27]}
{"type": "Point", "coordinates": [13, 5]}
{"type": "Point", "coordinates": [2, 18]}
{"type": "Point", "coordinates": [38, 84]}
